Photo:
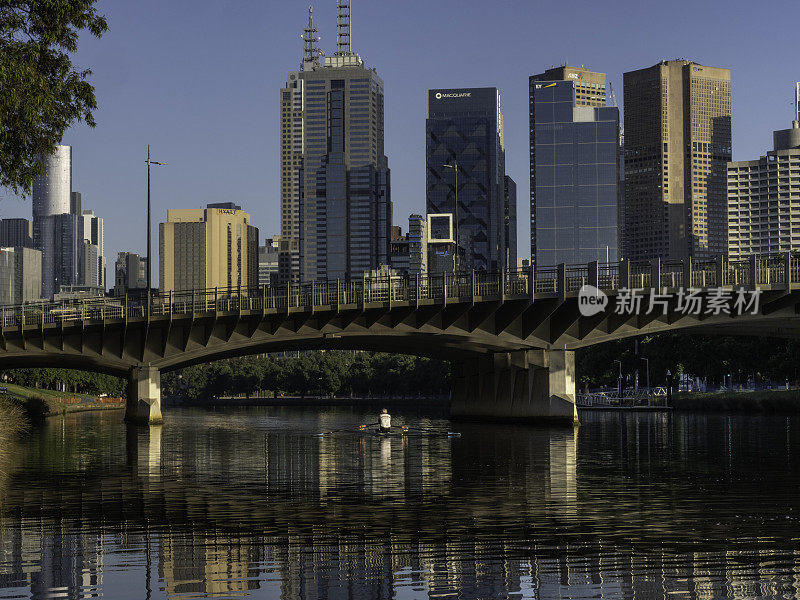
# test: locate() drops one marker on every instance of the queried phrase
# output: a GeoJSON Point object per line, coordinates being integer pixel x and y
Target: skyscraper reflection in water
{"type": "Point", "coordinates": [253, 503]}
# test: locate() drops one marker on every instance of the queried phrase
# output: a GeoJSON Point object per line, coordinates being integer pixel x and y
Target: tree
{"type": "Point", "coordinates": [41, 94]}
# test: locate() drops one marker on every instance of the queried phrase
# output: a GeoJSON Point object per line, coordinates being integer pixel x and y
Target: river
{"type": "Point", "coordinates": [253, 503]}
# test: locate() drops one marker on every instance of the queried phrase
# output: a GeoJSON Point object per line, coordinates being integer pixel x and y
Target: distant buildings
{"type": "Point", "coordinates": [335, 190]}
{"type": "Point", "coordinates": [71, 240]}
{"type": "Point", "coordinates": [16, 232]}
{"type": "Point", "coordinates": [465, 158]}
{"type": "Point", "coordinates": [130, 273]}
{"type": "Point", "coordinates": [417, 245]}
{"type": "Point", "coordinates": [574, 168]}
{"type": "Point", "coordinates": [677, 146]}
{"type": "Point", "coordinates": [213, 247]}
{"type": "Point", "coordinates": [94, 260]}
{"type": "Point", "coordinates": [268, 261]}
{"type": "Point", "coordinates": [399, 256]}
{"type": "Point", "coordinates": [764, 199]}
{"type": "Point", "coordinates": [20, 275]}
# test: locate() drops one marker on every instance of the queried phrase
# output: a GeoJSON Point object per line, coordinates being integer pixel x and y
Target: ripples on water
{"type": "Point", "coordinates": [252, 503]}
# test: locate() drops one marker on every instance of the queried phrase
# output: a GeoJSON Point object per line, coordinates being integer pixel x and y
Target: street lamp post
{"type": "Point", "coordinates": [619, 380]}
{"type": "Point", "coordinates": [647, 361]}
{"type": "Point", "coordinates": [454, 166]}
{"type": "Point", "coordinates": [149, 228]}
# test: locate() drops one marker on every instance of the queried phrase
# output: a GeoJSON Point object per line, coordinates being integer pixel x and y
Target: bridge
{"type": "Point", "coordinates": [511, 336]}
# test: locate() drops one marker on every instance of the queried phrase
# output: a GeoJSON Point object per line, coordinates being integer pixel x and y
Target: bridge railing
{"type": "Point", "coordinates": [436, 287]}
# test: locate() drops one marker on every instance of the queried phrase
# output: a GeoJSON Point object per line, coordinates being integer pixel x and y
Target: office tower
{"type": "Point", "coordinates": [51, 191]}
{"type": "Point", "coordinates": [61, 239]}
{"type": "Point", "coordinates": [75, 199]}
{"type": "Point", "coordinates": [510, 209]}
{"type": "Point", "coordinates": [417, 245]}
{"type": "Point", "coordinates": [207, 248]}
{"type": "Point", "coordinates": [268, 261]}
{"type": "Point", "coordinates": [764, 200]}
{"type": "Point", "coordinates": [335, 190]}
{"type": "Point", "coordinates": [465, 150]}
{"type": "Point", "coordinates": [130, 273]}
{"type": "Point", "coordinates": [574, 168]}
{"type": "Point", "coordinates": [16, 232]}
{"type": "Point", "coordinates": [677, 146]}
{"type": "Point", "coordinates": [94, 266]}
{"type": "Point", "coordinates": [20, 275]}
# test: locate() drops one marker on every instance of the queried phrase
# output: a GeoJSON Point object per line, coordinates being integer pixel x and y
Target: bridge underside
{"type": "Point", "coordinates": [512, 355]}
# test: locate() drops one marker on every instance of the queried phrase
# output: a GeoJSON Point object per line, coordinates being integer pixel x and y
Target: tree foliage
{"type": "Point", "coordinates": [79, 382]}
{"type": "Point", "coordinates": [41, 93]}
{"type": "Point", "coordinates": [314, 373]}
{"type": "Point", "coordinates": [710, 357]}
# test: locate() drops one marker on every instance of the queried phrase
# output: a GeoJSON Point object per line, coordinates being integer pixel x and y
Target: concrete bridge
{"type": "Point", "coordinates": [511, 336]}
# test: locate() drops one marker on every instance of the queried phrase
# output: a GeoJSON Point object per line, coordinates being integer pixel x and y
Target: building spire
{"type": "Point", "coordinates": [311, 51]}
{"type": "Point", "coordinates": [343, 47]}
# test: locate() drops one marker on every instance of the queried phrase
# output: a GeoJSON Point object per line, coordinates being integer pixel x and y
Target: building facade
{"type": "Point", "coordinates": [20, 275]}
{"type": "Point", "coordinates": [510, 208]}
{"type": "Point", "coordinates": [130, 273]}
{"type": "Point", "coordinates": [208, 248]}
{"type": "Point", "coordinates": [677, 146]}
{"type": "Point", "coordinates": [16, 232]}
{"type": "Point", "coordinates": [764, 200]}
{"type": "Point", "coordinates": [575, 192]}
{"type": "Point", "coordinates": [335, 182]}
{"type": "Point", "coordinates": [268, 262]}
{"type": "Point", "coordinates": [52, 191]}
{"type": "Point", "coordinates": [465, 158]}
{"type": "Point", "coordinates": [61, 239]}
{"type": "Point", "coordinates": [94, 260]}
{"type": "Point", "coordinates": [417, 245]}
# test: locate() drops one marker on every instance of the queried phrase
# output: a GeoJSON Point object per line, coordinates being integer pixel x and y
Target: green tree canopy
{"type": "Point", "coordinates": [41, 93]}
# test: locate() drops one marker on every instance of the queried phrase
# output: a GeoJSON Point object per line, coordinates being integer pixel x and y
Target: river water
{"type": "Point", "coordinates": [253, 503]}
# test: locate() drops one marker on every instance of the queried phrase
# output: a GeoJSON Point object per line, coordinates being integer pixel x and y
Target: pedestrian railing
{"type": "Point", "coordinates": [414, 289]}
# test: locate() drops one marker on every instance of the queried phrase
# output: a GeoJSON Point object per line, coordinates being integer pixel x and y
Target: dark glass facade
{"type": "Point", "coordinates": [575, 179]}
{"type": "Point", "coordinates": [465, 128]}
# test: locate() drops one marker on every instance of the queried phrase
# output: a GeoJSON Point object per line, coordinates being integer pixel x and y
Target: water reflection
{"type": "Point", "coordinates": [253, 503]}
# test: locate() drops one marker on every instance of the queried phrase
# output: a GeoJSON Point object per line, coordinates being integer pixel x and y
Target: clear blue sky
{"type": "Point", "coordinates": [199, 81]}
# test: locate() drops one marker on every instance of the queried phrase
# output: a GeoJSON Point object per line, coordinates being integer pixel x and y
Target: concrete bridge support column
{"type": "Point", "coordinates": [144, 396]}
{"type": "Point", "coordinates": [529, 385]}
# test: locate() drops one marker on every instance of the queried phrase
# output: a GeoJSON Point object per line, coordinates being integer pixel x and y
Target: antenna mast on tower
{"type": "Point", "coordinates": [343, 47]}
{"type": "Point", "coordinates": [311, 51]}
{"type": "Point", "coordinates": [797, 101]}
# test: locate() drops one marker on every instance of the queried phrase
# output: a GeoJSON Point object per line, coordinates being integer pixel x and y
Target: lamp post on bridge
{"type": "Point", "coordinates": [454, 166]}
{"type": "Point", "coordinates": [149, 228]}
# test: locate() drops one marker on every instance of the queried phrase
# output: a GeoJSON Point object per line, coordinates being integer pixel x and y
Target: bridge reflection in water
{"type": "Point", "coordinates": [253, 503]}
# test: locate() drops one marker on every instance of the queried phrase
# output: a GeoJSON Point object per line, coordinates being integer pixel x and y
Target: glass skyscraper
{"type": "Point", "coordinates": [335, 192]}
{"type": "Point", "coordinates": [465, 157]}
{"type": "Point", "coordinates": [574, 170]}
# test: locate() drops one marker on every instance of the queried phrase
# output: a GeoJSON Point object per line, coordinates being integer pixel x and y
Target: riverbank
{"type": "Point", "coordinates": [768, 401]}
{"type": "Point", "coordinates": [37, 404]}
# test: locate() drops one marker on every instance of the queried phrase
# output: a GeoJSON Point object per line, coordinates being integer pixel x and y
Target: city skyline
{"type": "Point", "coordinates": [235, 156]}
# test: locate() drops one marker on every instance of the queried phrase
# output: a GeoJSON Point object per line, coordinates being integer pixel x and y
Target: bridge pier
{"type": "Point", "coordinates": [143, 404]}
{"type": "Point", "coordinates": [530, 385]}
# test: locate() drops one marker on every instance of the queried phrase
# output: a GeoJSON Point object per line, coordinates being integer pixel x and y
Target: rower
{"type": "Point", "coordinates": [385, 421]}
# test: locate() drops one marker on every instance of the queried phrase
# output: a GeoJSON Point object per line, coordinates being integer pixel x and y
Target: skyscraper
{"type": "Point", "coordinates": [51, 191]}
{"type": "Point", "coordinates": [764, 200]}
{"type": "Point", "coordinates": [95, 261]}
{"type": "Point", "coordinates": [335, 189]}
{"type": "Point", "coordinates": [677, 145]}
{"type": "Point", "coordinates": [61, 238]}
{"type": "Point", "coordinates": [574, 158]}
{"type": "Point", "coordinates": [465, 158]}
{"type": "Point", "coordinates": [213, 247]}
{"type": "Point", "coordinates": [130, 273]}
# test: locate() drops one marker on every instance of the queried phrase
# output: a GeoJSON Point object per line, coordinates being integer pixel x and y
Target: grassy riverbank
{"type": "Point", "coordinates": [769, 401]}
{"type": "Point", "coordinates": [37, 404]}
